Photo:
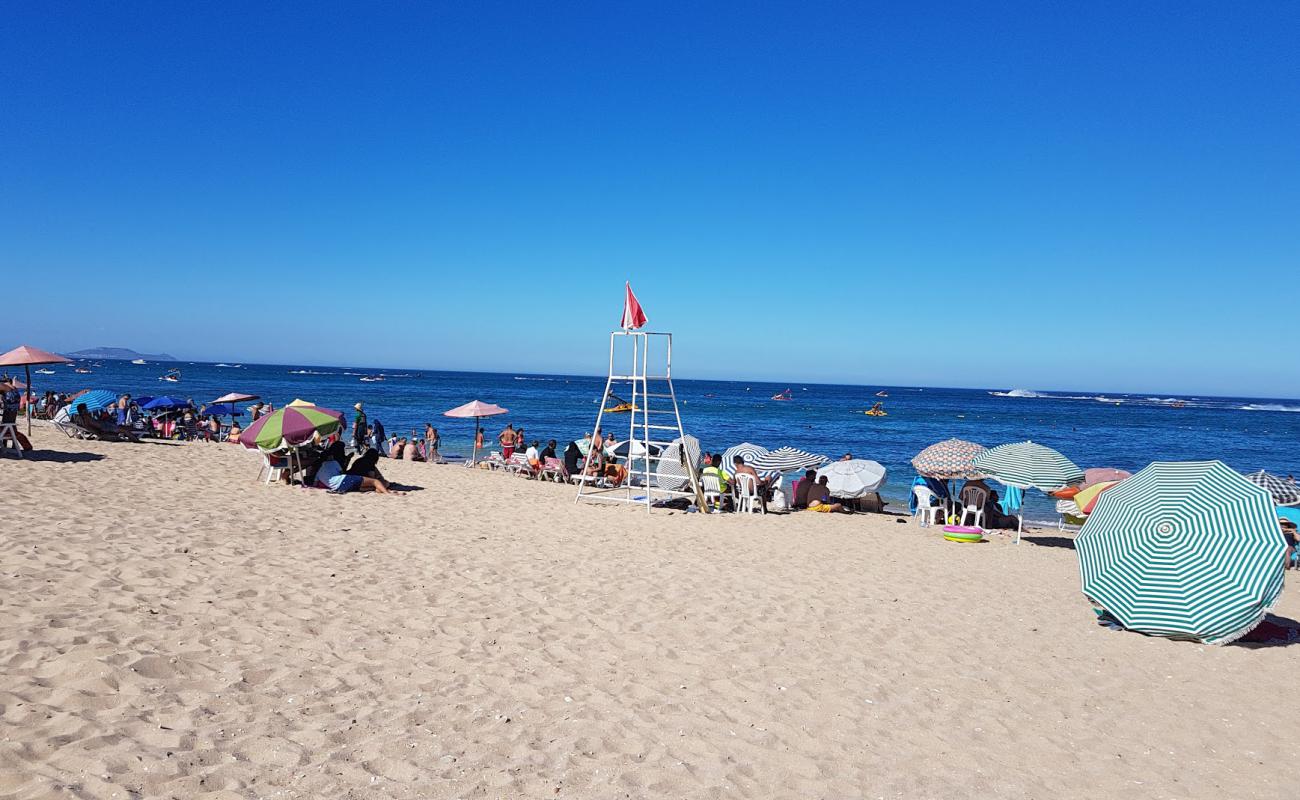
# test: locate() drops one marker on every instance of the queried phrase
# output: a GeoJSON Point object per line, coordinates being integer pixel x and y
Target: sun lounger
{"type": "Point", "coordinates": [553, 469]}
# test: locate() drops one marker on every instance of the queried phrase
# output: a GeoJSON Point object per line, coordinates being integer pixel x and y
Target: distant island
{"type": "Point", "coordinates": [119, 354]}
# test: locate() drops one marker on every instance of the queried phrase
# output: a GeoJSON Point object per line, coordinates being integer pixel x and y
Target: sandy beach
{"type": "Point", "coordinates": [170, 628]}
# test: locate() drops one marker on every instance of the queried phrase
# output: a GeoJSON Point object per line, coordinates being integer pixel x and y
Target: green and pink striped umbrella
{"type": "Point", "coordinates": [291, 426]}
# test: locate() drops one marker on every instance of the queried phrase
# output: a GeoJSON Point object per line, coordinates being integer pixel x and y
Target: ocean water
{"type": "Point", "coordinates": [1115, 430]}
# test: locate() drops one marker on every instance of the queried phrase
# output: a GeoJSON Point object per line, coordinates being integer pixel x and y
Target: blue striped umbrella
{"type": "Point", "coordinates": [95, 400]}
{"type": "Point", "coordinates": [1188, 550]}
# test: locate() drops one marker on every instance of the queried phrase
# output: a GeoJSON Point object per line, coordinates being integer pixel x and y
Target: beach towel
{"type": "Point", "coordinates": [1013, 499]}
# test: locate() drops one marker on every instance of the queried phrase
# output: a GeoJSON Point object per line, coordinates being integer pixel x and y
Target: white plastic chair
{"type": "Point", "coordinates": [712, 487]}
{"type": "Point", "coordinates": [926, 508]}
{"type": "Point", "coordinates": [275, 463]}
{"type": "Point", "coordinates": [975, 512]}
{"type": "Point", "coordinates": [747, 499]}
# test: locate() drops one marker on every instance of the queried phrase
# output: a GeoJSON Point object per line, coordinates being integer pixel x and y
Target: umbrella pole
{"type": "Point", "coordinates": [1020, 526]}
{"type": "Point", "coordinates": [27, 370]}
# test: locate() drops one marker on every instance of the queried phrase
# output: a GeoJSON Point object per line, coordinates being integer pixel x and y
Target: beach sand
{"type": "Point", "coordinates": [169, 628]}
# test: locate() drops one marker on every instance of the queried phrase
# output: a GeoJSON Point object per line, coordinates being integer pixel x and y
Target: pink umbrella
{"type": "Point", "coordinates": [24, 356]}
{"type": "Point", "coordinates": [476, 409]}
{"type": "Point", "coordinates": [1103, 474]}
{"type": "Point", "coordinates": [234, 397]}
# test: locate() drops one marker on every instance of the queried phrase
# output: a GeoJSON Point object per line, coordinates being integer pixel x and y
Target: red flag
{"type": "Point", "coordinates": [633, 316]}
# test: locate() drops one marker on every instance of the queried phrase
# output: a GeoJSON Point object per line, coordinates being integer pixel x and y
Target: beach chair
{"type": "Point", "coordinates": [926, 508]}
{"type": "Point", "coordinates": [747, 499]}
{"type": "Point", "coordinates": [712, 486]}
{"type": "Point", "coordinates": [518, 465]}
{"type": "Point", "coordinates": [553, 469]}
{"type": "Point", "coordinates": [275, 463]}
{"type": "Point", "coordinates": [973, 499]}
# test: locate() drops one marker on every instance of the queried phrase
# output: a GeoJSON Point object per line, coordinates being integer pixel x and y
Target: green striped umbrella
{"type": "Point", "coordinates": [292, 425]}
{"type": "Point", "coordinates": [1028, 465]}
{"type": "Point", "coordinates": [1188, 550]}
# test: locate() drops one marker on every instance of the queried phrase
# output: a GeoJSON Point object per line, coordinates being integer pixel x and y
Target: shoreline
{"type": "Point", "coordinates": [173, 628]}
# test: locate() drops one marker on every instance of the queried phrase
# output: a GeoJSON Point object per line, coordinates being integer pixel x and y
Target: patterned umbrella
{"type": "Point", "coordinates": [949, 459]}
{"type": "Point", "coordinates": [1188, 550]}
{"type": "Point", "coordinates": [94, 399]}
{"type": "Point", "coordinates": [852, 479]}
{"type": "Point", "coordinates": [1028, 465]}
{"type": "Point", "coordinates": [291, 426]}
{"type": "Point", "coordinates": [1284, 492]}
{"type": "Point", "coordinates": [669, 473]}
{"type": "Point", "coordinates": [745, 450]}
{"type": "Point", "coordinates": [787, 459]}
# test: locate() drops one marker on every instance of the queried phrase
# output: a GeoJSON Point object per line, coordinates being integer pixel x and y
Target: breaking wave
{"type": "Point", "coordinates": [1268, 407]}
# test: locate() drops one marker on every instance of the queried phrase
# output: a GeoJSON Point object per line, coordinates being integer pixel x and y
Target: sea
{"type": "Point", "coordinates": [1127, 431]}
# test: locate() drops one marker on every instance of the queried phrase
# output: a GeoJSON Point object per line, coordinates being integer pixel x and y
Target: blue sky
{"type": "Point", "coordinates": [1103, 195]}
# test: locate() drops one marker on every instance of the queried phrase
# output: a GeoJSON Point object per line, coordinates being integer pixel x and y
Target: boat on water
{"type": "Point", "coordinates": [172, 376]}
{"type": "Point", "coordinates": [882, 393]}
{"type": "Point", "coordinates": [371, 378]}
{"type": "Point", "coordinates": [138, 361]}
{"type": "Point", "coordinates": [877, 410]}
{"type": "Point", "coordinates": [44, 372]}
{"type": "Point", "coordinates": [82, 371]}
{"type": "Point", "coordinates": [620, 406]}
{"type": "Point", "coordinates": [786, 395]}
{"type": "Point", "coordinates": [1178, 404]}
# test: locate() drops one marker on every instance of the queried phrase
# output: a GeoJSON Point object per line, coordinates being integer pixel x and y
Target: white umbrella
{"type": "Point", "coordinates": [852, 479]}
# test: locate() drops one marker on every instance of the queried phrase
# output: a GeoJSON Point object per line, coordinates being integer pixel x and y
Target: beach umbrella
{"type": "Point", "coordinates": [291, 427]}
{"type": "Point", "coordinates": [633, 449]}
{"type": "Point", "coordinates": [223, 410]}
{"type": "Point", "coordinates": [235, 397]}
{"type": "Point", "coordinates": [477, 410]}
{"type": "Point", "coordinates": [164, 403]}
{"type": "Point", "coordinates": [787, 459]}
{"type": "Point", "coordinates": [671, 473]}
{"type": "Point", "coordinates": [852, 479]}
{"type": "Point", "coordinates": [300, 403]}
{"type": "Point", "coordinates": [1028, 465]}
{"type": "Point", "coordinates": [1283, 491]}
{"type": "Point", "coordinates": [1188, 550]}
{"type": "Point", "coordinates": [1086, 498]}
{"type": "Point", "coordinates": [948, 460]}
{"type": "Point", "coordinates": [745, 450]}
{"type": "Point", "coordinates": [1103, 474]}
{"type": "Point", "coordinates": [94, 399]}
{"type": "Point", "coordinates": [25, 356]}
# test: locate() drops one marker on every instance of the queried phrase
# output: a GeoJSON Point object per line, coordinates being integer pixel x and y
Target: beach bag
{"type": "Point", "coordinates": [778, 501]}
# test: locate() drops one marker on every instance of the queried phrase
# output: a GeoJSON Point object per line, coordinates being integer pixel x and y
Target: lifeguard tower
{"type": "Point", "coordinates": [662, 460]}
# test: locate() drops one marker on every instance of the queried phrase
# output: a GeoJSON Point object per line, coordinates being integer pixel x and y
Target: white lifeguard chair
{"type": "Point", "coordinates": [665, 457]}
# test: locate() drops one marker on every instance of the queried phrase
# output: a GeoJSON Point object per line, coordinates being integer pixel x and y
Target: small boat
{"type": "Point", "coordinates": [81, 371]}
{"type": "Point", "coordinates": [878, 410]}
{"type": "Point", "coordinates": [44, 372]}
{"type": "Point", "coordinates": [620, 406]}
{"type": "Point", "coordinates": [371, 378]}
{"type": "Point", "coordinates": [138, 361]}
{"type": "Point", "coordinates": [172, 376]}
{"type": "Point", "coordinates": [786, 395]}
{"type": "Point", "coordinates": [882, 393]}
{"type": "Point", "coordinates": [1178, 404]}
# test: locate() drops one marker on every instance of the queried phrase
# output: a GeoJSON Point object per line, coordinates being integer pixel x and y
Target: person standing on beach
{"type": "Point", "coordinates": [520, 444]}
{"type": "Point", "coordinates": [478, 438]}
{"type": "Point", "coordinates": [377, 434]}
{"type": "Point", "coordinates": [359, 429]}
{"type": "Point", "coordinates": [507, 440]}
{"type": "Point", "coordinates": [432, 441]}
